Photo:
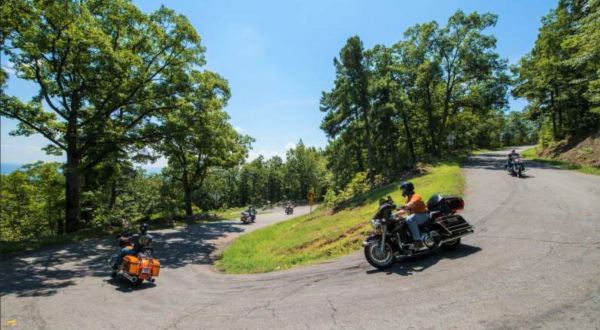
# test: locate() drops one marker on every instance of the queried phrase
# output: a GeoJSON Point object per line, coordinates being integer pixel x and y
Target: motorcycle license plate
{"type": "Point", "coordinates": [145, 270]}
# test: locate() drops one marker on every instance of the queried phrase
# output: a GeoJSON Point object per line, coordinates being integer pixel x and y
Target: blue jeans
{"type": "Point", "coordinates": [413, 221]}
{"type": "Point", "coordinates": [126, 251]}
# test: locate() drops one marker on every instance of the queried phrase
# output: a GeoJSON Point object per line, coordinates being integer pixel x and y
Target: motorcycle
{"type": "Point", "coordinates": [516, 167]}
{"type": "Point", "coordinates": [248, 216]}
{"type": "Point", "coordinates": [137, 268]}
{"type": "Point", "coordinates": [391, 237]}
{"type": "Point", "coordinates": [289, 210]}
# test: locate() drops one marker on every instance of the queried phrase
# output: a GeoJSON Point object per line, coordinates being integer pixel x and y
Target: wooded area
{"type": "Point", "coordinates": [117, 87]}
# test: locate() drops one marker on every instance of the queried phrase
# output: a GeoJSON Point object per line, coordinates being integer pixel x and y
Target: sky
{"type": "Point", "coordinates": [278, 57]}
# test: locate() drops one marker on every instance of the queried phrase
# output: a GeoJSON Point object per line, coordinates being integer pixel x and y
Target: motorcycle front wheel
{"type": "Point", "coordinates": [378, 258]}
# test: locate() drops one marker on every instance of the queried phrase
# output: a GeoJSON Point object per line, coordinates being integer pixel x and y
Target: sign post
{"type": "Point", "coordinates": [311, 199]}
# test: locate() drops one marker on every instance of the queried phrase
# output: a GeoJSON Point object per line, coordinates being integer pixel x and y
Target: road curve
{"type": "Point", "coordinates": [534, 262]}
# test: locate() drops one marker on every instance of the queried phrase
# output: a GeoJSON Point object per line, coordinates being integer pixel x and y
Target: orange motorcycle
{"type": "Point", "coordinates": [139, 267]}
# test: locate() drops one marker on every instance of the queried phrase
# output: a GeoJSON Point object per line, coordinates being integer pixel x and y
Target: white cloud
{"type": "Point", "coordinates": [290, 145]}
{"type": "Point", "coordinates": [268, 153]}
{"type": "Point", "coordinates": [9, 68]}
{"type": "Point", "coordinates": [253, 154]}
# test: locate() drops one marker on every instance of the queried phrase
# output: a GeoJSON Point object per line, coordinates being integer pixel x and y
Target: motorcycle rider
{"type": "Point", "coordinates": [511, 157]}
{"type": "Point", "coordinates": [417, 210]}
{"type": "Point", "coordinates": [252, 212]}
{"type": "Point", "coordinates": [136, 243]}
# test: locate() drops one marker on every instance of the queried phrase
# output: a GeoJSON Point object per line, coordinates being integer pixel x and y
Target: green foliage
{"type": "Point", "coordinates": [31, 201]}
{"type": "Point", "coordinates": [517, 130]}
{"type": "Point", "coordinates": [104, 71]}
{"type": "Point", "coordinates": [440, 90]}
{"type": "Point", "coordinates": [559, 77]}
{"type": "Point", "coordinates": [320, 235]}
{"type": "Point", "coordinates": [197, 135]}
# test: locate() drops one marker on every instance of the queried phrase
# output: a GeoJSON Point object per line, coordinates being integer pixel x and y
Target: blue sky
{"type": "Point", "coordinates": [278, 57]}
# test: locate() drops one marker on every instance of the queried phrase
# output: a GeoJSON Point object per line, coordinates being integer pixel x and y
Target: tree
{"type": "Point", "coordinates": [347, 105]}
{"type": "Point", "coordinates": [103, 69]}
{"type": "Point", "coordinates": [198, 136]}
{"type": "Point", "coordinates": [559, 77]}
{"type": "Point", "coordinates": [428, 95]}
{"type": "Point", "coordinates": [31, 198]}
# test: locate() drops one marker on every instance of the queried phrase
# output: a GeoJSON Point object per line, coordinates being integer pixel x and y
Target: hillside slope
{"type": "Point", "coordinates": [582, 151]}
{"type": "Point", "coordinates": [322, 235]}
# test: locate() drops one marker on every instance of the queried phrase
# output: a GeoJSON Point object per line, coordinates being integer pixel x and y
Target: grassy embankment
{"type": "Point", "coordinates": [532, 154]}
{"type": "Point", "coordinates": [321, 235]}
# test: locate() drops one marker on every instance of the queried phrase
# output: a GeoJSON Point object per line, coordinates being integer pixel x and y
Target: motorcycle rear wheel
{"type": "Point", "coordinates": [137, 283]}
{"type": "Point", "coordinates": [452, 245]}
{"type": "Point", "coordinates": [377, 258]}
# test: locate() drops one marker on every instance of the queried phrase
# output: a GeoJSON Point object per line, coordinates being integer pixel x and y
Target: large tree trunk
{"type": "Point", "coordinates": [431, 124]}
{"type": "Point", "coordinates": [187, 191]}
{"type": "Point", "coordinates": [552, 108]}
{"type": "Point", "coordinates": [113, 195]}
{"type": "Point", "coordinates": [370, 151]}
{"type": "Point", "coordinates": [409, 140]}
{"type": "Point", "coordinates": [73, 191]}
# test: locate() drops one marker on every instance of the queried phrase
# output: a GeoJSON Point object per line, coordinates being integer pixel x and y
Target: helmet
{"type": "Point", "coordinates": [407, 188]}
{"type": "Point", "coordinates": [143, 228]}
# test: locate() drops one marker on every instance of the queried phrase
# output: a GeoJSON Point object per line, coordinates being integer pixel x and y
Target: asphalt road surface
{"type": "Point", "coordinates": [533, 262]}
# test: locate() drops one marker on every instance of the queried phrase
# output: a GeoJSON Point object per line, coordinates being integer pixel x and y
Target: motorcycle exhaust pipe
{"type": "Point", "coordinates": [132, 279]}
{"type": "Point", "coordinates": [455, 237]}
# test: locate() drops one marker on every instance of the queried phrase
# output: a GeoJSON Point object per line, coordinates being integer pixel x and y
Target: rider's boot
{"type": "Point", "coordinates": [417, 245]}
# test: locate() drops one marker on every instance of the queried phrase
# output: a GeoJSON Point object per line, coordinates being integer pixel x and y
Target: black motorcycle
{"type": "Point", "coordinates": [515, 167]}
{"type": "Point", "coordinates": [391, 237]}
{"type": "Point", "coordinates": [248, 216]}
{"type": "Point", "coordinates": [289, 210]}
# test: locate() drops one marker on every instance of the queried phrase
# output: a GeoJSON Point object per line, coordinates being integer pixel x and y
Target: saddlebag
{"type": "Point", "coordinates": [454, 225]}
{"type": "Point", "coordinates": [155, 267]}
{"type": "Point", "coordinates": [445, 204]}
{"type": "Point", "coordinates": [131, 265]}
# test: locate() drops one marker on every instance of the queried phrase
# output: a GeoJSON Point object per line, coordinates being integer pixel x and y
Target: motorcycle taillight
{"type": "Point", "coordinates": [456, 204]}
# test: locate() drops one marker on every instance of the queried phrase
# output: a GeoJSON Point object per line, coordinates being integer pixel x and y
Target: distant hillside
{"type": "Point", "coordinates": [7, 168]}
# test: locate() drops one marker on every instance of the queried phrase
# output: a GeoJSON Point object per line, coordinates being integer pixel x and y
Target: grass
{"type": "Point", "coordinates": [532, 154]}
{"type": "Point", "coordinates": [321, 235]}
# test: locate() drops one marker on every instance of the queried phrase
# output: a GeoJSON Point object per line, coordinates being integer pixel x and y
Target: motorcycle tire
{"type": "Point", "coordinates": [452, 245]}
{"type": "Point", "coordinates": [137, 283]}
{"type": "Point", "coordinates": [379, 262]}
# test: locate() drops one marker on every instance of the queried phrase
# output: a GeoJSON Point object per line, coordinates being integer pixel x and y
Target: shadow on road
{"type": "Point", "coordinates": [44, 273]}
{"type": "Point", "coordinates": [419, 263]}
{"type": "Point", "coordinates": [498, 163]}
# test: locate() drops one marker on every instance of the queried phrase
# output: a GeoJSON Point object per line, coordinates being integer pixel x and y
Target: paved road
{"type": "Point", "coordinates": [534, 262]}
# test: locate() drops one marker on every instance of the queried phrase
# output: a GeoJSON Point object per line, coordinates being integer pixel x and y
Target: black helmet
{"type": "Point", "coordinates": [407, 188]}
{"type": "Point", "coordinates": [143, 228]}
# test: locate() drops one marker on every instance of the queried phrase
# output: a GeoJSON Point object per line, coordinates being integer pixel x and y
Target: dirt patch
{"type": "Point", "coordinates": [577, 150]}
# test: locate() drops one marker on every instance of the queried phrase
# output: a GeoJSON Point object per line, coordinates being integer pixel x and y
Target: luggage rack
{"type": "Point", "coordinates": [455, 225]}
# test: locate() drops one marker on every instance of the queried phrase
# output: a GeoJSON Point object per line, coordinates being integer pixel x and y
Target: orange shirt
{"type": "Point", "coordinates": [415, 204]}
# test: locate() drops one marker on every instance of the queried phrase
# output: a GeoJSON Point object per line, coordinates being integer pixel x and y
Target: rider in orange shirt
{"type": "Point", "coordinates": [417, 210]}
